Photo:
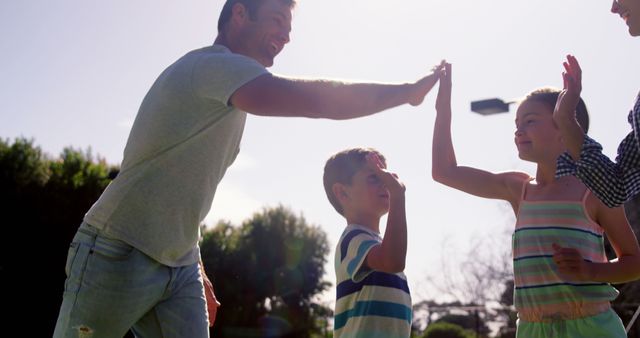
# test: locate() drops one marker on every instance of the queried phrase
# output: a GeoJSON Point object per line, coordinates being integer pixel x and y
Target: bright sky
{"type": "Point", "coordinates": [74, 73]}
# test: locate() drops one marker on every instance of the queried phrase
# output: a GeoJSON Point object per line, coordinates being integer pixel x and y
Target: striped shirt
{"type": "Point", "coordinates": [369, 303]}
{"type": "Point", "coordinates": [541, 293]}
{"type": "Point", "coordinates": [612, 182]}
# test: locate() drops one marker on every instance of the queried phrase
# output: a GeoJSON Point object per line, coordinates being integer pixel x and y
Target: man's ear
{"type": "Point", "coordinates": [239, 13]}
{"type": "Point", "coordinates": [340, 192]}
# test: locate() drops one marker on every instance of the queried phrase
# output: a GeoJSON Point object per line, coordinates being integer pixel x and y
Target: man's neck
{"type": "Point", "coordinates": [221, 40]}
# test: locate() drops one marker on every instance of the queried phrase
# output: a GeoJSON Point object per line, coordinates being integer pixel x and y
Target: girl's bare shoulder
{"type": "Point", "coordinates": [515, 182]}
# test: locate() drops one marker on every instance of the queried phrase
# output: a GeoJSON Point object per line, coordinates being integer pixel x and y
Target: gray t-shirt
{"type": "Point", "coordinates": [184, 137]}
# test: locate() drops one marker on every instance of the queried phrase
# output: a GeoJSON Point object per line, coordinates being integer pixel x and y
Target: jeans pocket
{"type": "Point", "coordinates": [112, 249]}
{"type": "Point", "coordinates": [76, 265]}
{"type": "Point", "coordinates": [71, 255]}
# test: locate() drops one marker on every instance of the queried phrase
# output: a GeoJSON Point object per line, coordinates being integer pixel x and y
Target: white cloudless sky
{"type": "Point", "coordinates": [74, 73]}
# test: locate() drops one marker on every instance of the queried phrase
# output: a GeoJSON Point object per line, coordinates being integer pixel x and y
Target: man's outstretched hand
{"type": "Point", "coordinates": [423, 86]}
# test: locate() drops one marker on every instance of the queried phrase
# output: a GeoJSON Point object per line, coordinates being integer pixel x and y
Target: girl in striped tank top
{"type": "Point", "coordinates": [561, 272]}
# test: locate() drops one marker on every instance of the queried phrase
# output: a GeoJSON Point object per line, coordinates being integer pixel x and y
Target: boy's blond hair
{"type": "Point", "coordinates": [341, 167]}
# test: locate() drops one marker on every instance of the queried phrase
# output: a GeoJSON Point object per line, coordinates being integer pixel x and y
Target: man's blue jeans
{"type": "Point", "coordinates": [112, 287]}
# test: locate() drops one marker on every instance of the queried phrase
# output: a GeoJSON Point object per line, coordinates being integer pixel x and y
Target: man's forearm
{"type": "Point", "coordinates": [271, 95]}
{"type": "Point", "coordinates": [341, 100]}
{"type": "Point", "coordinates": [347, 101]}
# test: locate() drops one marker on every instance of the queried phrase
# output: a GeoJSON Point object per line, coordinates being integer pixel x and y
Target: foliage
{"type": "Point", "coordinates": [446, 330]}
{"type": "Point", "coordinates": [42, 201]}
{"type": "Point", "coordinates": [470, 321]}
{"type": "Point", "coordinates": [471, 317]}
{"type": "Point", "coordinates": [265, 273]}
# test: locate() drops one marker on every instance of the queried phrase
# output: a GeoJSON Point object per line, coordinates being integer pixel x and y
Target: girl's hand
{"type": "Point", "coordinates": [443, 101]}
{"type": "Point", "coordinates": [571, 264]}
{"type": "Point", "coordinates": [423, 86]}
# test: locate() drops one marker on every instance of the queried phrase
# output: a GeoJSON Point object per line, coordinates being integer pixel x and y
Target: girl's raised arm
{"type": "Point", "coordinates": [445, 169]}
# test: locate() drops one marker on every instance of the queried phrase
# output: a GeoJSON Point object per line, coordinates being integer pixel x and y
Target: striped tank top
{"type": "Point", "coordinates": [541, 294]}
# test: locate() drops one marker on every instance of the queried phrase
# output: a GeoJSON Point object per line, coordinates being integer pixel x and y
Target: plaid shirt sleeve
{"type": "Point", "coordinates": [612, 182]}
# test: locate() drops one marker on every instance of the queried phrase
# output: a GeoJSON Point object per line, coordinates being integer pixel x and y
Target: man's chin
{"type": "Point", "coordinates": [268, 62]}
{"type": "Point", "coordinates": [264, 61]}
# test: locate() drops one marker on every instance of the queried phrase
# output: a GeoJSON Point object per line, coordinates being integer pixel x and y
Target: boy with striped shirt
{"type": "Point", "coordinates": [373, 298]}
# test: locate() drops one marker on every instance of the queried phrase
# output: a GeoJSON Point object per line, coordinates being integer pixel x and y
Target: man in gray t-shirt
{"type": "Point", "coordinates": [137, 248]}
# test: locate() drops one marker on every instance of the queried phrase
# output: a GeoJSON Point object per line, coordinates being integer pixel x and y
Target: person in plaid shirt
{"type": "Point", "coordinates": [612, 182]}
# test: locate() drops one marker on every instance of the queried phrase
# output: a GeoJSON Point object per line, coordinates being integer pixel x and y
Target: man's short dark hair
{"type": "Point", "coordinates": [252, 7]}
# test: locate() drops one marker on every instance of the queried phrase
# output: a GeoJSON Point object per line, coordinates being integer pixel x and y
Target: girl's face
{"type": "Point", "coordinates": [536, 136]}
{"type": "Point", "coordinates": [629, 11]}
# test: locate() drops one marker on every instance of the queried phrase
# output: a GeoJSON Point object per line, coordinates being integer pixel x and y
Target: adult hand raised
{"type": "Point", "coordinates": [423, 86]}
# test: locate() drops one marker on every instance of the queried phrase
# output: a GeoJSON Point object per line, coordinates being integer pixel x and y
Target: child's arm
{"type": "Point", "coordinates": [390, 255]}
{"type": "Point", "coordinates": [445, 169]}
{"type": "Point", "coordinates": [625, 268]}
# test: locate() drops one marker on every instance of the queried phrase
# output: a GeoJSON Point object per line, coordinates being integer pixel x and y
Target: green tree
{"type": "Point", "coordinates": [471, 317]}
{"type": "Point", "coordinates": [446, 330]}
{"type": "Point", "coordinates": [470, 321]}
{"type": "Point", "coordinates": [42, 201]}
{"type": "Point", "coordinates": [265, 273]}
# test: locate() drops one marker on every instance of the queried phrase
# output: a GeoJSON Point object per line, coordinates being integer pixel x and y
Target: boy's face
{"type": "Point", "coordinates": [366, 195]}
{"type": "Point", "coordinates": [629, 11]}
{"type": "Point", "coordinates": [537, 137]}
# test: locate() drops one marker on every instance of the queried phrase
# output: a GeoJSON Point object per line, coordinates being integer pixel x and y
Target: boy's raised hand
{"type": "Point", "coordinates": [570, 95]}
{"type": "Point", "coordinates": [443, 101]}
{"type": "Point", "coordinates": [423, 86]}
{"type": "Point", "coordinates": [389, 179]}
{"type": "Point", "coordinates": [571, 264]}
